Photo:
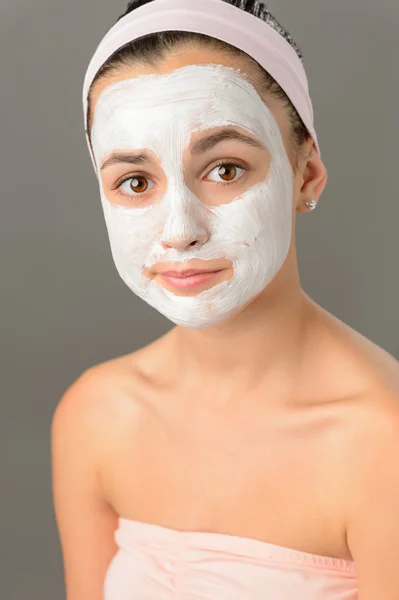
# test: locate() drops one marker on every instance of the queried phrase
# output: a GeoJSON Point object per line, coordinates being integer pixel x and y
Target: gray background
{"type": "Point", "coordinates": [63, 304]}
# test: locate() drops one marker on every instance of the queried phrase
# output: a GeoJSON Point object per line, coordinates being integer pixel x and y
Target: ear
{"type": "Point", "coordinates": [311, 177]}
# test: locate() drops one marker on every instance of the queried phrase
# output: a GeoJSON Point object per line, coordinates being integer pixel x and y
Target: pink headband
{"type": "Point", "coordinates": [220, 20]}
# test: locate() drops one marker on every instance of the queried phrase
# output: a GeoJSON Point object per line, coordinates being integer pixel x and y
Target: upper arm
{"type": "Point", "coordinates": [85, 521]}
{"type": "Point", "coordinates": [373, 524]}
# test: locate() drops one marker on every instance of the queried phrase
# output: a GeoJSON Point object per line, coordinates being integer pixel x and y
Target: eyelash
{"type": "Point", "coordinates": [120, 182]}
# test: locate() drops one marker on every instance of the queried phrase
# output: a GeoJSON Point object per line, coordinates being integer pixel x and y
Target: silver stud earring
{"type": "Point", "coordinates": [311, 205]}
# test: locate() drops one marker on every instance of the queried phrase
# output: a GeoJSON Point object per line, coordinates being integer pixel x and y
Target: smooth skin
{"type": "Point", "coordinates": [281, 424]}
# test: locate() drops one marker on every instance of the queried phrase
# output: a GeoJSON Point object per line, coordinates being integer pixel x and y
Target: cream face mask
{"type": "Point", "coordinates": [252, 231]}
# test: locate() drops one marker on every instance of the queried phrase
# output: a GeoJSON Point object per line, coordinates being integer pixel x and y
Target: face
{"type": "Point", "coordinates": [194, 173]}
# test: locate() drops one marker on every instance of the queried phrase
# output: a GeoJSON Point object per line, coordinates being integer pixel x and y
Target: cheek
{"type": "Point", "coordinates": [146, 273]}
{"type": "Point", "coordinates": [132, 236]}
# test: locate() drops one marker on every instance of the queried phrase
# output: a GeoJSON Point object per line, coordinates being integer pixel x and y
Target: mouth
{"type": "Point", "coordinates": [190, 278]}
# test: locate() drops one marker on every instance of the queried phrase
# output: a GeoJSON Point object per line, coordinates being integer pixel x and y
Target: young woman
{"type": "Point", "coordinates": [252, 451]}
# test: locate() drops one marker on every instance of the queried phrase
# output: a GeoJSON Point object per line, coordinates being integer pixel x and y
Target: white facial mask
{"type": "Point", "coordinates": [160, 113]}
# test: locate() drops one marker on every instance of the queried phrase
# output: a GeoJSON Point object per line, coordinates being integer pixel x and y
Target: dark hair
{"type": "Point", "coordinates": [153, 48]}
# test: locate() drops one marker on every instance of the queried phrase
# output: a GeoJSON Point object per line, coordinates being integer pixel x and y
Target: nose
{"type": "Point", "coordinates": [184, 222]}
{"type": "Point", "coordinates": [184, 243]}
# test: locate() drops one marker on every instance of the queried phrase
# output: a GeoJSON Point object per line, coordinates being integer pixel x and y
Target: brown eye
{"type": "Point", "coordinates": [138, 184]}
{"type": "Point", "coordinates": [227, 172]}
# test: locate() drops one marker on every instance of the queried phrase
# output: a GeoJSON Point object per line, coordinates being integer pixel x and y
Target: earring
{"type": "Point", "coordinates": [311, 205]}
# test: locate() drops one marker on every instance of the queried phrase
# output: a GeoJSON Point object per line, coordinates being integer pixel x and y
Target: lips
{"type": "Point", "coordinates": [187, 273]}
{"type": "Point", "coordinates": [191, 279]}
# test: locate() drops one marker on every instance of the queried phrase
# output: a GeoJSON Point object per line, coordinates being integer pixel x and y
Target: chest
{"type": "Point", "coordinates": [278, 481]}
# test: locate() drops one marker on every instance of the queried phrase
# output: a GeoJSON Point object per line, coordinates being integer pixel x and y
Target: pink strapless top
{"type": "Point", "coordinates": [157, 563]}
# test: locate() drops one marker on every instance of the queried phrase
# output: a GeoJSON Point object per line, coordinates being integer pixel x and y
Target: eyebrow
{"type": "Point", "coordinates": [133, 158]}
{"type": "Point", "coordinates": [199, 147]}
{"type": "Point", "coordinates": [208, 142]}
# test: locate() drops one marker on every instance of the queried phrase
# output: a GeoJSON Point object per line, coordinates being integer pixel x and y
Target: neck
{"type": "Point", "coordinates": [263, 345]}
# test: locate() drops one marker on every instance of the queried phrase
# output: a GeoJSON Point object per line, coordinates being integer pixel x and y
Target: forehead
{"type": "Point", "coordinates": [191, 98]}
{"type": "Point", "coordinates": [191, 83]}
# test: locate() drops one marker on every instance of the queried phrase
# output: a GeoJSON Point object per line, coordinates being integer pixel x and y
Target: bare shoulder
{"type": "Point", "coordinates": [93, 393]}
{"type": "Point", "coordinates": [86, 422]}
{"type": "Point", "coordinates": [352, 364]}
{"type": "Point", "coordinates": [371, 485]}
{"type": "Point", "coordinates": [368, 377]}
{"type": "Point", "coordinates": [363, 380]}
{"type": "Point", "coordinates": [105, 401]}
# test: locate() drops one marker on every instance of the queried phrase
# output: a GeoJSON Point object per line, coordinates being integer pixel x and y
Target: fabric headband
{"type": "Point", "coordinates": [220, 20]}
